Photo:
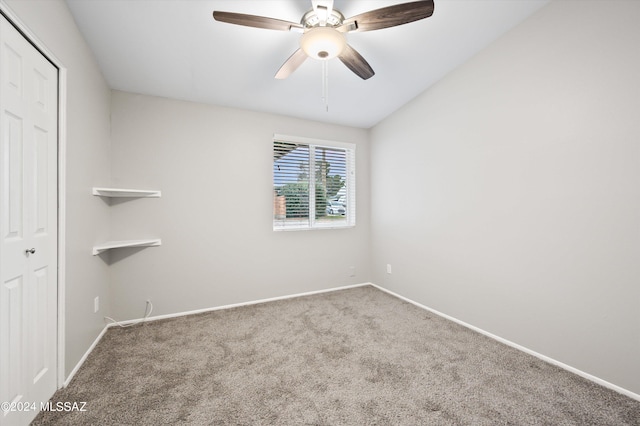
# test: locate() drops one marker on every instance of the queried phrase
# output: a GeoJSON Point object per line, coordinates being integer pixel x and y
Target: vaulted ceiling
{"type": "Point", "coordinates": [175, 49]}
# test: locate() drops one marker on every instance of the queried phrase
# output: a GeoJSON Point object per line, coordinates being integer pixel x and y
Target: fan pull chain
{"type": "Point", "coordinates": [325, 84]}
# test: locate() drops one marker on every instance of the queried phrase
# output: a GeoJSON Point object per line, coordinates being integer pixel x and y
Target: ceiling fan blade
{"type": "Point", "coordinates": [356, 63]}
{"type": "Point", "coordinates": [291, 64]}
{"type": "Point", "coordinates": [255, 21]}
{"type": "Point", "coordinates": [390, 16]}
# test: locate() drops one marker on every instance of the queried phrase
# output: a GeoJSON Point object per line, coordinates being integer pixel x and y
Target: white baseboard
{"type": "Point", "coordinates": [235, 305]}
{"type": "Point", "coordinates": [519, 347]}
{"type": "Point", "coordinates": [84, 357]}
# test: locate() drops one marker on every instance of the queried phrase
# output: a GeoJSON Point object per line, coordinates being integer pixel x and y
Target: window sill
{"type": "Point", "coordinates": [308, 228]}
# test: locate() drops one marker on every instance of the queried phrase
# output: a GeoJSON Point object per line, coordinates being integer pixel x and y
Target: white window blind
{"type": "Point", "coordinates": [314, 184]}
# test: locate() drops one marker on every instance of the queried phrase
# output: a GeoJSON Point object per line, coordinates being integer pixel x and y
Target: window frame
{"type": "Point", "coordinates": [350, 184]}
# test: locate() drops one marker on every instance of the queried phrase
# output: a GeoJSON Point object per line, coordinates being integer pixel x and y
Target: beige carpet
{"type": "Point", "coordinates": [351, 357]}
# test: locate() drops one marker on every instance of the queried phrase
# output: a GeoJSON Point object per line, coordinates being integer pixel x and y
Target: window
{"type": "Point", "coordinates": [314, 184]}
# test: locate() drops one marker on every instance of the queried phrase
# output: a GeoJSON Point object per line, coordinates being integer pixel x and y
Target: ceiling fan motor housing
{"type": "Point", "coordinates": [312, 19]}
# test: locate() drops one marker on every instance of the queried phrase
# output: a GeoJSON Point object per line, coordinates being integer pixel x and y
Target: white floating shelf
{"type": "Point", "coordinates": [121, 192]}
{"type": "Point", "coordinates": [127, 243]}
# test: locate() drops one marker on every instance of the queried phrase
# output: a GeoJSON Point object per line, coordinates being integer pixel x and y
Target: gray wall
{"type": "Point", "coordinates": [87, 156]}
{"type": "Point", "coordinates": [507, 195]}
{"type": "Point", "coordinates": [214, 168]}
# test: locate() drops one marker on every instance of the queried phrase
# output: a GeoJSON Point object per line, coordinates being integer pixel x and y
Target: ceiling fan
{"type": "Point", "coordinates": [323, 29]}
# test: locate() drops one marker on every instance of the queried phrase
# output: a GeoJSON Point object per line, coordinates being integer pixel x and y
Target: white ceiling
{"type": "Point", "coordinates": [174, 49]}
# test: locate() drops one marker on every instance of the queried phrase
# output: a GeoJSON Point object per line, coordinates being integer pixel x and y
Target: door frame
{"type": "Point", "coordinates": [6, 11]}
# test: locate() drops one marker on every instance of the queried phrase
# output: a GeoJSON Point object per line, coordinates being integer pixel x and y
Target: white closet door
{"type": "Point", "coordinates": [28, 226]}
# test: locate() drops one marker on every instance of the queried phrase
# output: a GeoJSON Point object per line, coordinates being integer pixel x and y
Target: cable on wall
{"type": "Point", "coordinates": [147, 312]}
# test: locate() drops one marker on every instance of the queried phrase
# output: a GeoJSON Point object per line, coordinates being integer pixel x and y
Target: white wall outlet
{"type": "Point", "coordinates": [352, 271]}
{"type": "Point", "coordinates": [388, 268]}
{"type": "Point", "coordinates": [96, 304]}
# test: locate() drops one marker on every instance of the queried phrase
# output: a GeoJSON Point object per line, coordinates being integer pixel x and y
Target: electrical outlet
{"type": "Point", "coordinates": [388, 268]}
{"type": "Point", "coordinates": [352, 271]}
{"type": "Point", "coordinates": [96, 304]}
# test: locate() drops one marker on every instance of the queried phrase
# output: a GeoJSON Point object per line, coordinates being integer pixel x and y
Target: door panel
{"type": "Point", "coordinates": [12, 318]}
{"type": "Point", "coordinates": [13, 174]}
{"type": "Point", "coordinates": [41, 181]}
{"type": "Point", "coordinates": [13, 66]}
{"type": "Point", "coordinates": [39, 297]}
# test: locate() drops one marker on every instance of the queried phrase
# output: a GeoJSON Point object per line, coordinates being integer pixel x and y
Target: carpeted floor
{"type": "Point", "coordinates": [351, 357]}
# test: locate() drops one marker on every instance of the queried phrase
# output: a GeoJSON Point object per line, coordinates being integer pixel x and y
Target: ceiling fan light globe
{"type": "Point", "coordinates": [322, 43]}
